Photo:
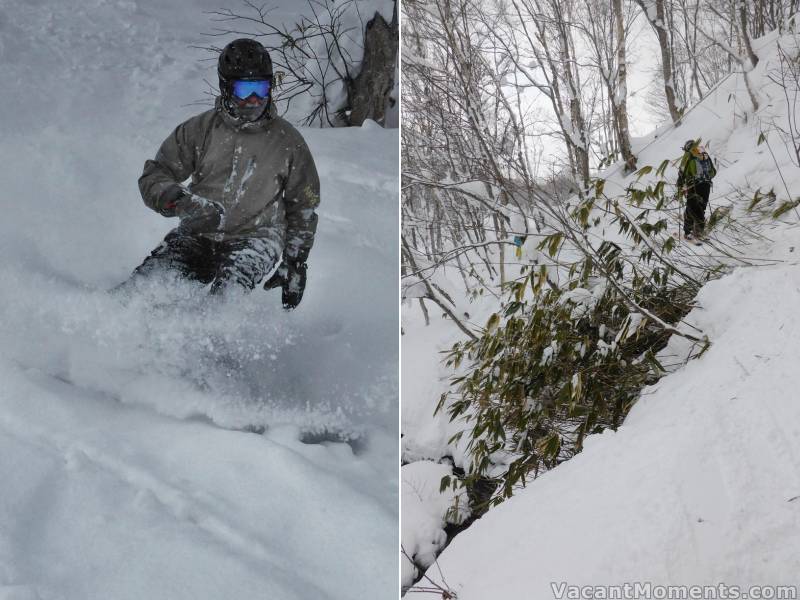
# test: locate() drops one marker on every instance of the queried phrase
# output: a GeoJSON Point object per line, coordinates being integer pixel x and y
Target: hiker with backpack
{"type": "Point", "coordinates": [694, 181]}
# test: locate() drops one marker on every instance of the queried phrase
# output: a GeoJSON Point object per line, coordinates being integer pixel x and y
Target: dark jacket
{"type": "Point", "coordinates": [262, 174]}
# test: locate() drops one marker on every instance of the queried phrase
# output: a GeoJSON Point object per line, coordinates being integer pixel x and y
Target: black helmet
{"type": "Point", "coordinates": [242, 59]}
{"type": "Point", "coordinates": [687, 147]}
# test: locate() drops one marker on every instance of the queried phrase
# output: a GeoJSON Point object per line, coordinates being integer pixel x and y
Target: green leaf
{"type": "Point", "coordinates": [550, 446]}
{"type": "Point", "coordinates": [657, 367]}
{"type": "Point", "coordinates": [493, 322]}
{"type": "Point", "coordinates": [757, 197]}
{"type": "Point", "coordinates": [706, 346]}
{"type": "Point", "coordinates": [554, 244]}
{"type": "Point", "coordinates": [643, 171]}
{"type": "Point", "coordinates": [444, 483]}
{"type": "Point", "coordinates": [455, 438]}
{"type": "Point", "coordinates": [599, 186]}
{"type": "Point", "coordinates": [717, 215]}
{"type": "Point", "coordinates": [761, 138]}
{"type": "Point", "coordinates": [784, 208]}
{"type": "Point", "coordinates": [519, 291]}
{"type": "Point", "coordinates": [441, 403]}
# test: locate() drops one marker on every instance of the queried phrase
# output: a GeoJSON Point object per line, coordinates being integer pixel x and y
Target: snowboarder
{"type": "Point", "coordinates": [253, 192]}
{"type": "Point", "coordinates": [694, 180]}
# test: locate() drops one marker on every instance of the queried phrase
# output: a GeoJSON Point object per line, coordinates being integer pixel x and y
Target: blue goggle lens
{"type": "Point", "coordinates": [245, 88]}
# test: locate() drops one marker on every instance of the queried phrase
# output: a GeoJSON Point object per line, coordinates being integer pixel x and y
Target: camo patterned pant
{"type": "Point", "coordinates": [242, 262]}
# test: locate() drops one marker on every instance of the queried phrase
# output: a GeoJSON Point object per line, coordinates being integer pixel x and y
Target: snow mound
{"type": "Point", "coordinates": [426, 512]}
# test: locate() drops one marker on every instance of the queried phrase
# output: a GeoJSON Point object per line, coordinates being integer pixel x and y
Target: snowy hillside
{"type": "Point", "coordinates": [129, 466]}
{"type": "Point", "coordinates": [700, 484]}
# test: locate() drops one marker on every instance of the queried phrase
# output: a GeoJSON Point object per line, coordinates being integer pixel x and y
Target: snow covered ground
{"type": "Point", "coordinates": [125, 470]}
{"type": "Point", "coordinates": [700, 485]}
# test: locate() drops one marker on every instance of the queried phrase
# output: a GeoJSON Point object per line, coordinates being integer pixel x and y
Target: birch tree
{"type": "Point", "coordinates": [619, 101]}
{"type": "Point", "coordinates": [604, 32]}
{"type": "Point", "coordinates": [656, 16]}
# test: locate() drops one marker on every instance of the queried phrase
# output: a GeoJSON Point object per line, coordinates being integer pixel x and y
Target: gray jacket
{"type": "Point", "coordinates": [262, 174]}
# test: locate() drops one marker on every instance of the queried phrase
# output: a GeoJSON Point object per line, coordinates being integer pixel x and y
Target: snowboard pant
{"type": "Point", "coordinates": [694, 221]}
{"type": "Point", "coordinates": [241, 262]}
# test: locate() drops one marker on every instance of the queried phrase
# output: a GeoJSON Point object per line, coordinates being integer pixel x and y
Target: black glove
{"type": "Point", "coordinates": [291, 278]}
{"type": "Point", "coordinates": [167, 204]}
{"type": "Point", "coordinates": [200, 215]}
{"type": "Point", "coordinates": [197, 214]}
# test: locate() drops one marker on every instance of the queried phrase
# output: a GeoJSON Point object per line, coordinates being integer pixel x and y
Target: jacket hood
{"type": "Point", "coordinates": [239, 124]}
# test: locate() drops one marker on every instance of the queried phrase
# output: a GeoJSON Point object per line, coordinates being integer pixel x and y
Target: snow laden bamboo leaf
{"type": "Point", "coordinates": [573, 345]}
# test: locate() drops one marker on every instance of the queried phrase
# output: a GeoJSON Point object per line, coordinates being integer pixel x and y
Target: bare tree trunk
{"type": "Point", "coordinates": [738, 24]}
{"type": "Point", "coordinates": [690, 38]}
{"type": "Point", "coordinates": [750, 54]}
{"type": "Point", "coordinates": [620, 103]}
{"type": "Point", "coordinates": [569, 70]}
{"type": "Point", "coordinates": [424, 311]}
{"type": "Point", "coordinates": [369, 91]}
{"type": "Point", "coordinates": [501, 234]}
{"type": "Point", "coordinates": [549, 39]}
{"type": "Point", "coordinates": [746, 34]}
{"type": "Point", "coordinates": [660, 28]}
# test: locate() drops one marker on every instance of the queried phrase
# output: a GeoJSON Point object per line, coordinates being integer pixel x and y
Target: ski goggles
{"type": "Point", "coordinates": [244, 88]}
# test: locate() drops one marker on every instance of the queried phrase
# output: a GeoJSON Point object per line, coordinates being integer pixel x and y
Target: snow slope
{"type": "Point", "coordinates": [126, 465]}
{"type": "Point", "coordinates": [700, 485]}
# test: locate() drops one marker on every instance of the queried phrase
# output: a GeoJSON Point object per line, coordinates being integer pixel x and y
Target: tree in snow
{"type": "Point", "coordinates": [733, 17]}
{"type": "Point", "coordinates": [656, 16]}
{"type": "Point", "coordinates": [461, 138]}
{"type": "Point", "coordinates": [703, 41]}
{"type": "Point", "coordinates": [604, 29]}
{"type": "Point", "coordinates": [336, 61]}
{"type": "Point", "coordinates": [543, 45]}
{"type": "Point", "coordinates": [575, 339]}
{"type": "Point", "coordinates": [619, 100]}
